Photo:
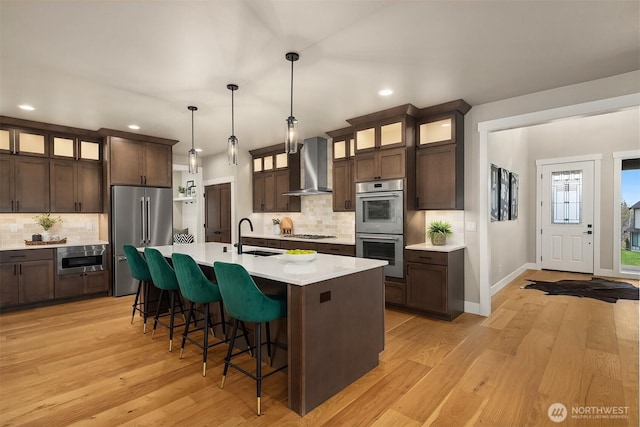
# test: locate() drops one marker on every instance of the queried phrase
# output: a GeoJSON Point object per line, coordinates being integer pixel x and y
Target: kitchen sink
{"type": "Point", "coordinates": [261, 253]}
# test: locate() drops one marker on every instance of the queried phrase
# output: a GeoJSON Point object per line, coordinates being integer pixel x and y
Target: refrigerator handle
{"type": "Point", "coordinates": [148, 241]}
{"type": "Point", "coordinates": [142, 220]}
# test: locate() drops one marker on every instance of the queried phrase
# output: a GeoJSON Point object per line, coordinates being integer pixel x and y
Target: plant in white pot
{"type": "Point", "coordinates": [276, 226]}
{"type": "Point", "coordinates": [46, 222]}
{"type": "Point", "coordinates": [438, 232]}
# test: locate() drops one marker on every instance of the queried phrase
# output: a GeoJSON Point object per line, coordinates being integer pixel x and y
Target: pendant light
{"type": "Point", "coordinates": [232, 149]}
{"type": "Point", "coordinates": [193, 156]}
{"type": "Point", "coordinates": [291, 140]}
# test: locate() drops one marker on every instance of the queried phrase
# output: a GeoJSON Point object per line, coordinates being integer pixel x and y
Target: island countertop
{"type": "Point", "coordinates": [275, 267]}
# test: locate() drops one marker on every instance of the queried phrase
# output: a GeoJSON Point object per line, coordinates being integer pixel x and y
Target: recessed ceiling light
{"type": "Point", "coordinates": [134, 127]}
{"type": "Point", "coordinates": [385, 92]}
{"type": "Point", "coordinates": [199, 150]}
{"type": "Point", "coordinates": [26, 107]}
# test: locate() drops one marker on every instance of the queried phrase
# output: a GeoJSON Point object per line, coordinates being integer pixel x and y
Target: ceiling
{"type": "Point", "coordinates": [94, 64]}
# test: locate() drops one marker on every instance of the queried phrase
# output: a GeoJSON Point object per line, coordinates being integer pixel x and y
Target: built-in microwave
{"type": "Point", "coordinates": [379, 207]}
{"type": "Point", "coordinates": [81, 259]}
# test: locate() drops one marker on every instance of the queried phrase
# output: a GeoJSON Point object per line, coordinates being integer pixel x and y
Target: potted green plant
{"type": "Point", "coordinates": [438, 232]}
{"type": "Point", "coordinates": [181, 191]}
{"type": "Point", "coordinates": [276, 226]}
{"type": "Point", "coordinates": [46, 221]}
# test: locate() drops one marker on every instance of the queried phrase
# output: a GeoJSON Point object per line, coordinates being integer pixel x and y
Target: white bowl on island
{"type": "Point", "coordinates": [300, 255]}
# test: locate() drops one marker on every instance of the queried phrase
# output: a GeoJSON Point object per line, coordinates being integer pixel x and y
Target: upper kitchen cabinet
{"type": "Point", "coordinates": [275, 172]}
{"type": "Point", "coordinates": [138, 160]}
{"type": "Point", "coordinates": [343, 178]}
{"type": "Point", "coordinates": [75, 186]}
{"type": "Point", "coordinates": [440, 156]}
{"type": "Point", "coordinates": [380, 141]}
{"type": "Point", "coordinates": [75, 148]}
{"type": "Point", "coordinates": [24, 184]}
{"type": "Point", "coordinates": [26, 142]}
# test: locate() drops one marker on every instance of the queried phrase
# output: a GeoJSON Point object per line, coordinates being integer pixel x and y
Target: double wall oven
{"type": "Point", "coordinates": [380, 222]}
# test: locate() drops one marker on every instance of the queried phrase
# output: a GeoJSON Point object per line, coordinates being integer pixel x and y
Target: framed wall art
{"type": "Point", "coordinates": [513, 188]}
{"type": "Point", "coordinates": [495, 193]}
{"type": "Point", "coordinates": [505, 191]}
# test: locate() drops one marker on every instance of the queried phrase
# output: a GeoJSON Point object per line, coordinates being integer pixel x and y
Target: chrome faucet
{"type": "Point", "coordinates": [239, 245]}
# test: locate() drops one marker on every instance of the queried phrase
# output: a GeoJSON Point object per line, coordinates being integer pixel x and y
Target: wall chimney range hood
{"type": "Point", "coordinates": [314, 152]}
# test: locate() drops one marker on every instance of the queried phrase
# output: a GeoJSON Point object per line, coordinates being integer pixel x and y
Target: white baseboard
{"type": "Point", "coordinates": [471, 307]}
{"type": "Point", "coordinates": [496, 287]}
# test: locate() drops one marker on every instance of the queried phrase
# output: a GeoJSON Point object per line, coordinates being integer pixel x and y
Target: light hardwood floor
{"type": "Point", "coordinates": [83, 364]}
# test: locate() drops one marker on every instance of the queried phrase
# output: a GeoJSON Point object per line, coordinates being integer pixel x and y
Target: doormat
{"type": "Point", "coordinates": [601, 289]}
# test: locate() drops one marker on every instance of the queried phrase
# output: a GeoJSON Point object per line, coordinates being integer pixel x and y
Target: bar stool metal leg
{"type": "Point", "coordinates": [227, 359]}
{"type": "Point", "coordinates": [135, 301]}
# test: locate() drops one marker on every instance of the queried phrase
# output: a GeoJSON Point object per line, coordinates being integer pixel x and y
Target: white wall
{"type": "Point", "coordinates": [510, 239]}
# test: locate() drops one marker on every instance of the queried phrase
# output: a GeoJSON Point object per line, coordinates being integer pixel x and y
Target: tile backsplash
{"type": "Point", "coordinates": [16, 228]}
{"type": "Point", "coordinates": [317, 217]}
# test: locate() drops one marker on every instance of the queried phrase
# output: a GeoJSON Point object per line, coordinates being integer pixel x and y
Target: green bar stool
{"type": "Point", "coordinates": [246, 303]}
{"type": "Point", "coordinates": [197, 289]}
{"type": "Point", "coordinates": [139, 271]}
{"type": "Point", "coordinates": [164, 278]}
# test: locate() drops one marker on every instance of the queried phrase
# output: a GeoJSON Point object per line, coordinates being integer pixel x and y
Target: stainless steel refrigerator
{"type": "Point", "coordinates": [140, 216]}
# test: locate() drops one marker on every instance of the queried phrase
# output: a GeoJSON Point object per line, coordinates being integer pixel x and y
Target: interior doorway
{"type": "Point", "coordinates": [217, 226]}
{"type": "Point", "coordinates": [567, 216]}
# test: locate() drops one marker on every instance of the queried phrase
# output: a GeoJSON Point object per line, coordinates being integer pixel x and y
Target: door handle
{"type": "Point", "coordinates": [148, 218]}
{"type": "Point", "coordinates": [142, 217]}
{"type": "Point", "coordinates": [587, 232]}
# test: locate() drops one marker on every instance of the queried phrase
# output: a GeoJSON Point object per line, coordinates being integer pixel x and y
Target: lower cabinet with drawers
{"type": "Point", "coordinates": [434, 284]}
{"type": "Point", "coordinates": [26, 277]}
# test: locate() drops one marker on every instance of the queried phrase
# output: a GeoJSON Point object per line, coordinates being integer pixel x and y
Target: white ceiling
{"type": "Point", "coordinates": [94, 64]}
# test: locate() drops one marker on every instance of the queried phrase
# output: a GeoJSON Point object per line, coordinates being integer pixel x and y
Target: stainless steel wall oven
{"type": "Point", "coordinates": [380, 222]}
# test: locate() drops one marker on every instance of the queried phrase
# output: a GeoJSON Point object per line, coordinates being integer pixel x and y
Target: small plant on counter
{"type": "Point", "coordinates": [276, 221]}
{"type": "Point", "coordinates": [46, 221]}
{"type": "Point", "coordinates": [438, 232]}
{"type": "Point", "coordinates": [182, 190]}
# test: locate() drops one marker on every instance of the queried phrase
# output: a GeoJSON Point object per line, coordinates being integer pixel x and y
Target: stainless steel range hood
{"type": "Point", "coordinates": [314, 153]}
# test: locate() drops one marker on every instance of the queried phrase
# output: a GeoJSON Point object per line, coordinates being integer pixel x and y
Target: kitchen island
{"type": "Point", "coordinates": [335, 315]}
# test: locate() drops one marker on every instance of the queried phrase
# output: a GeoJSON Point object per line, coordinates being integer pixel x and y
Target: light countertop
{"type": "Point", "coordinates": [430, 247]}
{"type": "Point", "coordinates": [22, 246]}
{"type": "Point", "coordinates": [334, 240]}
{"type": "Point", "coordinates": [276, 267]}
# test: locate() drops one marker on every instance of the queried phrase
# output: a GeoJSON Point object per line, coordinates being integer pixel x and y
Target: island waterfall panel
{"type": "Point", "coordinates": [336, 333]}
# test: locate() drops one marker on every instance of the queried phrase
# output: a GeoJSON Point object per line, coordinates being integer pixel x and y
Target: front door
{"type": "Point", "coordinates": [567, 216]}
{"type": "Point", "coordinates": [217, 227]}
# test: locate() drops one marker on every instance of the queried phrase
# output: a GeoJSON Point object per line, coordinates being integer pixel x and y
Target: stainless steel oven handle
{"type": "Point", "coordinates": [374, 237]}
{"type": "Point", "coordinates": [376, 195]}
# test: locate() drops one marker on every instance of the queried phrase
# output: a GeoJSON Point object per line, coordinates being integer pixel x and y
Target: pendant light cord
{"type": "Point", "coordinates": [192, 143]}
{"type": "Point", "coordinates": [232, 118]}
{"type": "Point", "coordinates": [291, 89]}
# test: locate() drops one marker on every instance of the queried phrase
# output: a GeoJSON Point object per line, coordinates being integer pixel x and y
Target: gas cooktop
{"type": "Point", "coordinates": [309, 236]}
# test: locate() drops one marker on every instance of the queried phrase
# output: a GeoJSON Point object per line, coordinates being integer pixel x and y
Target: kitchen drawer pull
{"type": "Point", "coordinates": [425, 257]}
{"type": "Point", "coordinates": [17, 256]}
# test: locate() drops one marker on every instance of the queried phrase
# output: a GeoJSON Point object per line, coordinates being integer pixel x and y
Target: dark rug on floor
{"type": "Point", "coordinates": [604, 290]}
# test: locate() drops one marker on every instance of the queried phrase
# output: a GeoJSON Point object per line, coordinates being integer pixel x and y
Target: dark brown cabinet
{"type": "Point", "coordinates": [274, 173]}
{"type": "Point", "coordinates": [382, 164]}
{"type": "Point", "coordinates": [75, 186]}
{"type": "Point", "coordinates": [26, 276]}
{"type": "Point", "coordinates": [435, 282]}
{"type": "Point", "coordinates": [439, 159]}
{"type": "Point", "coordinates": [24, 185]}
{"type": "Point", "coordinates": [381, 140]}
{"type": "Point", "coordinates": [343, 167]}
{"type": "Point", "coordinates": [27, 142]}
{"type": "Point", "coordinates": [75, 285]}
{"type": "Point", "coordinates": [336, 249]}
{"type": "Point", "coordinates": [139, 163]}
